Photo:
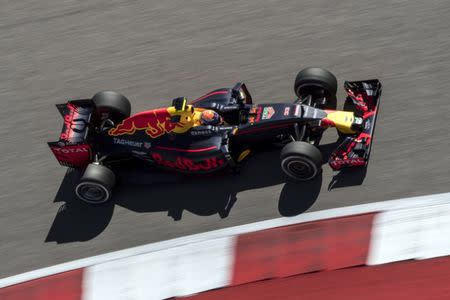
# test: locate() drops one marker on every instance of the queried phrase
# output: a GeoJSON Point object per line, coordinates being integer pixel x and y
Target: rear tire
{"type": "Point", "coordinates": [96, 184]}
{"type": "Point", "coordinates": [111, 105]}
{"type": "Point", "coordinates": [301, 161]}
{"type": "Point", "coordinates": [319, 83]}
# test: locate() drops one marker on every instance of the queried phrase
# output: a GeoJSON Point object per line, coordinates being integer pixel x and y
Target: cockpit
{"type": "Point", "coordinates": [182, 113]}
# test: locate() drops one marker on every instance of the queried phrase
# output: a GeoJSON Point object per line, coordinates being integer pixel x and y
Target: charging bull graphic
{"type": "Point", "coordinates": [155, 123]}
{"type": "Point", "coordinates": [187, 164]}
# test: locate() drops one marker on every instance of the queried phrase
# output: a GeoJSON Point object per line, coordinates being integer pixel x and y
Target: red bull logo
{"type": "Point", "coordinates": [155, 123]}
{"type": "Point", "coordinates": [187, 164]}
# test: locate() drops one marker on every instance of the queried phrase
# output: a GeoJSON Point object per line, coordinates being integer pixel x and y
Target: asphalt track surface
{"type": "Point", "coordinates": [153, 51]}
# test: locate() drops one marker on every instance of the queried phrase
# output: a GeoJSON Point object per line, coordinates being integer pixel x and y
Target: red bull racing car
{"type": "Point", "coordinates": [216, 131]}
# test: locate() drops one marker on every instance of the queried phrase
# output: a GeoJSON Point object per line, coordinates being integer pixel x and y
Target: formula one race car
{"type": "Point", "coordinates": [216, 131]}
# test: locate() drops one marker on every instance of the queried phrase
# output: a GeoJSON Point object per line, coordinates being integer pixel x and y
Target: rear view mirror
{"type": "Point", "coordinates": [241, 94]}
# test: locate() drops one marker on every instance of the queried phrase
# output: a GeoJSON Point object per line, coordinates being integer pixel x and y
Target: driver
{"type": "Point", "coordinates": [210, 117]}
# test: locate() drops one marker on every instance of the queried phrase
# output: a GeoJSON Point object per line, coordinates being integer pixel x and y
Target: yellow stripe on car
{"type": "Point", "coordinates": [243, 155]}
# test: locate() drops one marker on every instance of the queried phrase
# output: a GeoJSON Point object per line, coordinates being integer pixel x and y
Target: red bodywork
{"type": "Point", "coordinates": [72, 156]}
{"type": "Point", "coordinates": [187, 164]}
{"type": "Point", "coordinates": [71, 149]}
{"type": "Point", "coordinates": [366, 97]}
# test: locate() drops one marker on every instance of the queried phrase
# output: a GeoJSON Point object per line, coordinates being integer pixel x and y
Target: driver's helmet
{"type": "Point", "coordinates": [210, 117]}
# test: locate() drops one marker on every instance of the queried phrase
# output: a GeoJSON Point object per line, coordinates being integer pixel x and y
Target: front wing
{"type": "Point", "coordinates": [355, 150]}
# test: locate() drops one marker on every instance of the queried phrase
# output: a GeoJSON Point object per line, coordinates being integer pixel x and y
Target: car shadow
{"type": "Point", "coordinates": [143, 190]}
{"type": "Point", "coordinates": [213, 194]}
{"type": "Point", "coordinates": [75, 220]}
{"type": "Point", "coordinates": [348, 177]}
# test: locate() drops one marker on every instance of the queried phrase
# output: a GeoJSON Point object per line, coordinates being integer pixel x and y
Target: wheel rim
{"type": "Point", "coordinates": [299, 168]}
{"type": "Point", "coordinates": [92, 192]}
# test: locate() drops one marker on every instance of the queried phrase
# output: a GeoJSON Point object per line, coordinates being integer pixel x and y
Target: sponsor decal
{"type": "Point", "coordinates": [254, 114]}
{"type": "Point", "coordinates": [286, 111]}
{"type": "Point", "coordinates": [65, 135]}
{"type": "Point", "coordinates": [139, 153]}
{"type": "Point", "coordinates": [267, 113]}
{"type": "Point", "coordinates": [204, 132]}
{"type": "Point", "coordinates": [75, 155]}
{"type": "Point", "coordinates": [258, 114]}
{"type": "Point", "coordinates": [187, 164]}
{"type": "Point", "coordinates": [354, 162]}
{"type": "Point", "coordinates": [358, 100]}
{"type": "Point", "coordinates": [74, 122]}
{"type": "Point", "coordinates": [243, 155]}
{"type": "Point", "coordinates": [68, 150]}
{"type": "Point", "coordinates": [147, 145]}
{"type": "Point", "coordinates": [155, 123]}
{"type": "Point", "coordinates": [253, 109]}
{"type": "Point", "coordinates": [127, 142]}
{"type": "Point", "coordinates": [367, 124]}
{"type": "Point", "coordinates": [297, 111]}
{"type": "Point", "coordinates": [357, 120]}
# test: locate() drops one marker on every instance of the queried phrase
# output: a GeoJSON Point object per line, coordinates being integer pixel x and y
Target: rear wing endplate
{"type": "Point", "coordinates": [72, 149]}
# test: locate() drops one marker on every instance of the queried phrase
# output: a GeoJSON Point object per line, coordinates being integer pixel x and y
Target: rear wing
{"type": "Point", "coordinates": [355, 150]}
{"type": "Point", "coordinates": [72, 149]}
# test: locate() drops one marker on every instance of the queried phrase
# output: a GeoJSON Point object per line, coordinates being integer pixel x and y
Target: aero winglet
{"type": "Point", "coordinates": [355, 150]}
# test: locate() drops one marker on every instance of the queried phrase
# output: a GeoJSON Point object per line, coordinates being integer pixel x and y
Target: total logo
{"type": "Point", "coordinates": [73, 155]}
{"type": "Point", "coordinates": [70, 150]}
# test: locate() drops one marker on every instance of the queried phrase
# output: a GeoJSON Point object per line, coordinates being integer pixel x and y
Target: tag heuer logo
{"type": "Point", "coordinates": [147, 145]}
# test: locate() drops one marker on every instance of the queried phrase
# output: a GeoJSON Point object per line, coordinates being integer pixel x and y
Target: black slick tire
{"type": "Point", "coordinates": [96, 185]}
{"type": "Point", "coordinates": [317, 82]}
{"type": "Point", "coordinates": [111, 105]}
{"type": "Point", "coordinates": [301, 161]}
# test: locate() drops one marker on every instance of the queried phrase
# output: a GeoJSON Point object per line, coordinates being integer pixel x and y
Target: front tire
{"type": "Point", "coordinates": [96, 184]}
{"type": "Point", "coordinates": [318, 83]}
{"type": "Point", "coordinates": [301, 161]}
